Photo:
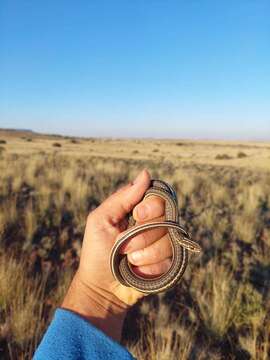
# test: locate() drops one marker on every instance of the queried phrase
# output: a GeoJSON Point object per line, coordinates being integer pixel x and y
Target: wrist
{"type": "Point", "coordinates": [103, 309]}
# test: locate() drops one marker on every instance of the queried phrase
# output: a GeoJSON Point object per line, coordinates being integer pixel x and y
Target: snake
{"type": "Point", "coordinates": [180, 240]}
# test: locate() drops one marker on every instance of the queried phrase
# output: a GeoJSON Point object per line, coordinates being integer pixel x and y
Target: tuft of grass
{"type": "Point", "coordinates": [57, 145]}
{"type": "Point", "coordinates": [218, 298]}
{"type": "Point", "coordinates": [241, 155]}
{"type": "Point", "coordinates": [21, 304]}
{"type": "Point", "coordinates": [31, 223]}
{"type": "Point", "coordinates": [257, 341]}
{"type": "Point", "coordinates": [164, 337]}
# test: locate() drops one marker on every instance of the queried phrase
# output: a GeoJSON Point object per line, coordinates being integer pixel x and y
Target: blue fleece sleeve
{"type": "Point", "coordinates": [71, 337]}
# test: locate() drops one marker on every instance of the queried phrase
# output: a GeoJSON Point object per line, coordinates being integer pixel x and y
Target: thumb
{"type": "Point", "coordinates": [120, 203]}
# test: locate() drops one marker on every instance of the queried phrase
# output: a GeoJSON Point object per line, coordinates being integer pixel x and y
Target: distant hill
{"type": "Point", "coordinates": [26, 133]}
{"type": "Point", "coordinates": [17, 131]}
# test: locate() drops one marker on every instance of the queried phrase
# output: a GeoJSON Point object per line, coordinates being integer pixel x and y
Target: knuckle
{"type": "Point", "coordinates": [159, 202]}
{"type": "Point", "coordinates": [143, 239]}
{"type": "Point", "coordinates": [92, 217]}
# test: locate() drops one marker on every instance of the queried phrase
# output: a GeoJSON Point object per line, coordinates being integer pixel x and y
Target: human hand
{"type": "Point", "coordinates": [94, 293]}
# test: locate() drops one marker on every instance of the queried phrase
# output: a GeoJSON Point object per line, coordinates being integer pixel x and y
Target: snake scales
{"type": "Point", "coordinates": [180, 241]}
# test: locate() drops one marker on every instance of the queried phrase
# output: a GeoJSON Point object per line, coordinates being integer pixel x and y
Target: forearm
{"type": "Point", "coordinates": [101, 308]}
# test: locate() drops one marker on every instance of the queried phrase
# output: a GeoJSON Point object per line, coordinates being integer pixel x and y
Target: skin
{"type": "Point", "coordinates": [94, 293]}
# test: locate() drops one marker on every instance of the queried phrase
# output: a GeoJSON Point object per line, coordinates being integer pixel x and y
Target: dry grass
{"type": "Point", "coordinates": [221, 308]}
{"type": "Point", "coordinates": [218, 297]}
{"type": "Point", "coordinates": [22, 302]}
{"type": "Point", "coordinates": [162, 342]}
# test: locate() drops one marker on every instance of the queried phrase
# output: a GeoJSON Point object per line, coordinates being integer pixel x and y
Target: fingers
{"type": "Point", "coordinates": [150, 208]}
{"type": "Point", "coordinates": [154, 269]}
{"type": "Point", "coordinates": [121, 202]}
{"type": "Point", "coordinates": [144, 239]}
{"type": "Point", "coordinates": [152, 254]}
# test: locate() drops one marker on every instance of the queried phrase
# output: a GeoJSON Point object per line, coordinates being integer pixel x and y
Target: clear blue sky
{"type": "Point", "coordinates": [197, 69]}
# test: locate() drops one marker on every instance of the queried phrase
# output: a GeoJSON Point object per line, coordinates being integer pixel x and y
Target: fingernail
{"type": "Point", "coordinates": [138, 178]}
{"type": "Point", "coordinates": [142, 211]}
{"type": "Point", "coordinates": [135, 256]}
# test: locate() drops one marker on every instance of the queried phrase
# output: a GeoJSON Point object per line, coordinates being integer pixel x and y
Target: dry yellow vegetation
{"type": "Point", "coordinates": [48, 184]}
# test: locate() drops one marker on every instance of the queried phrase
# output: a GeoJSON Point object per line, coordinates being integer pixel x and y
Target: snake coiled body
{"type": "Point", "coordinates": [180, 241]}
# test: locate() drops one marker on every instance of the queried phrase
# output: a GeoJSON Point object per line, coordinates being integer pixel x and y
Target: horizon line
{"type": "Point", "coordinates": [136, 137]}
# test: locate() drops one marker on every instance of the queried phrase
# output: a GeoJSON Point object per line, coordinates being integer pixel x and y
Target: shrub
{"type": "Point", "coordinates": [57, 145]}
{"type": "Point", "coordinates": [3, 141]}
{"type": "Point", "coordinates": [223, 157]}
{"type": "Point", "coordinates": [241, 155]}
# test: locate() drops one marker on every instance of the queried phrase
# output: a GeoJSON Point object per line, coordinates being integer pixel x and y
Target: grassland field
{"type": "Point", "coordinates": [220, 309]}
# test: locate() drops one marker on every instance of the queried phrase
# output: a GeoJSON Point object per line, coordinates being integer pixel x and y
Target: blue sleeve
{"type": "Point", "coordinates": [71, 337]}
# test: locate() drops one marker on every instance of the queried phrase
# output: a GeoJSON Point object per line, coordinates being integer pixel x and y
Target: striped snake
{"type": "Point", "coordinates": [180, 241]}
